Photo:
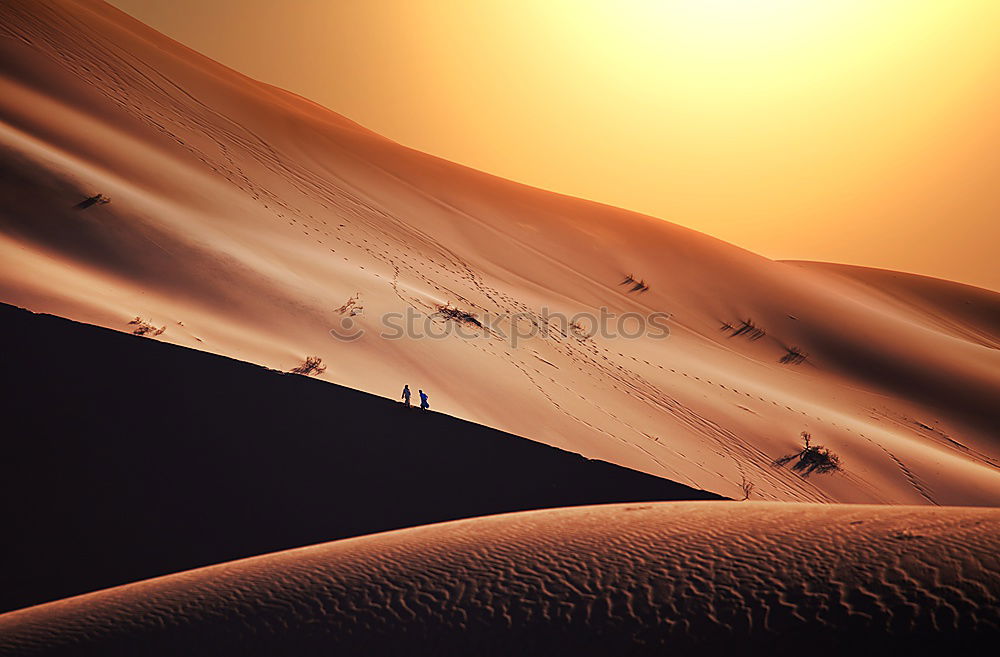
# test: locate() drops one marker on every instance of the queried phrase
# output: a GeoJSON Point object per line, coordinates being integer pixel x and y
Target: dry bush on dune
{"type": "Point", "coordinates": [352, 306]}
{"type": "Point", "coordinates": [793, 356]}
{"type": "Point", "coordinates": [142, 327]}
{"type": "Point", "coordinates": [96, 199]}
{"type": "Point", "coordinates": [639, 286]}
{"type": "Point", "coordinates": [811, 458]}
{"type": "Point", "coordinates": [746, 327]}
{"type": "Point", "coordinates": [456, 314]}
{"type": "Point", "coordinates": [311, 365]}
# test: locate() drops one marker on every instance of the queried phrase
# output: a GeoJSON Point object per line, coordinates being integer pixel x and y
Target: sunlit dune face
{"type": "Point", "coordinates": [855, 131]}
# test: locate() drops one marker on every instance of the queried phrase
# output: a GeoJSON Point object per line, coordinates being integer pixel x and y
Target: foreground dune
{"type": "Point", "coordinates": [249, 222]}
{"type": "Point", "coordinates": [684, 578]}
{"type": "Point", "coordinates": [152, 458]}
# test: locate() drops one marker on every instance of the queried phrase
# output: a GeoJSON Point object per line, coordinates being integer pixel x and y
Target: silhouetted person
{"type": "Point", "coordinates": [423, 400]}
{"type": "Point", "coordinates": [406, 395]}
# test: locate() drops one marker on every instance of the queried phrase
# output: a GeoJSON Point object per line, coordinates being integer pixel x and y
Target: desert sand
{"type": "Point", "coordinates": [149, 458]}
{"type": "Point", "coordinates": [237, 230]}
{"type": "Point", "coordinates": [682, 578]}
{"type": "Point", "coordinates": [244, 219]}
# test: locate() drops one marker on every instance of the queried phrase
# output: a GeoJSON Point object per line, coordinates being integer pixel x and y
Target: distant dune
{"type": "Point", "coordinates": [967, 312]}
{"type": "Point", "coordinates": [249, 222]}
{"type": "Point", "coordinates": [684, 578]}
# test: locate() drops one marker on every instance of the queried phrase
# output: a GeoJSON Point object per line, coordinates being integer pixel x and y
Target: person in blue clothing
{"type": "Point", "coordinates": [423, 400]}
{"type": "Point", "coordinates": [406, 394]}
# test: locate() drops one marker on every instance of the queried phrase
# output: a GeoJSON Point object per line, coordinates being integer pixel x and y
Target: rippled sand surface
{"type": "Point", "coordinates": [685, 578]}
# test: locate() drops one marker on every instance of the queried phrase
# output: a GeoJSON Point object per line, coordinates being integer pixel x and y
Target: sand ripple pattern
{"type": "Point", "coordinates": [654, 579]}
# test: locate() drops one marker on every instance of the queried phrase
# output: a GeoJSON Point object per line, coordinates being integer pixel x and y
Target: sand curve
{"type": "Point", "coordinates": [664, 578]}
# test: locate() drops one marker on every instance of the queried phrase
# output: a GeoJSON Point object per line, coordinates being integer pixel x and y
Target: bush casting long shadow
{"type": "Point", "coordinates": [810, 459]}
{"type": "Point", "coordinates": [746, 327]}
{"type": "Point", "coordinates": [458, 315]}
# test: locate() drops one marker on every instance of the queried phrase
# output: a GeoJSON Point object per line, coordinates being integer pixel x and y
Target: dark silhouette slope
{"type": "Point", "coordinates": [127, 458]}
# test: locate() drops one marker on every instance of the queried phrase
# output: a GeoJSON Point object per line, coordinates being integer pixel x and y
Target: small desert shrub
{"type": "Point", "coordinates": [793, 356]}
{"type": "Point", "coordinates": [96, 199]}
{"type": "Point", "coordinates": [746, 327]}
{"type": "Point", "coordinates": [637, 285]}
{"type": "Point", "coordinates": [142, 327]}
{"type": "Point", "coordinates": [352, 306]}
{"type": "Point", "coordinates": [747, 487]}
{"type": "Point", "coordinates": [458, 315]}
{"type": "Point", "coordinates": [311, 365]}
{"type": "Point", "coordinates": [811, 458]}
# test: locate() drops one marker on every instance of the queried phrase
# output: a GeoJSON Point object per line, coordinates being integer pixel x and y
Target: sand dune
{"type": "Point", "coordinates": [148, 189]}
{"type": "Point", "coordinates": [243, 218]}
{"type": "Point", "coordinates": [685, 578]}
{"type": "Point", "coordinates": [150, 458]}
{"type": "Point", "coordinates": [967, 312]}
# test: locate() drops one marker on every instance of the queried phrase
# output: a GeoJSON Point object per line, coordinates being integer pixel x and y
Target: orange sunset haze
{"type": "Point", "coordinates": [840, 130]}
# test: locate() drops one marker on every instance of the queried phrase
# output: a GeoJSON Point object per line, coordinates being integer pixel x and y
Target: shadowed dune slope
{"type": "Point", "coordinates": [967, 312]}
{"type": "Point", "coordinates": [149, 458]}
{"type": "Point", "coordinates": [685, 578]}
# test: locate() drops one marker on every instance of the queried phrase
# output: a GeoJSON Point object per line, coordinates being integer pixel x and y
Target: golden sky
{"type": "Point", "coordinates": [857, 131]}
